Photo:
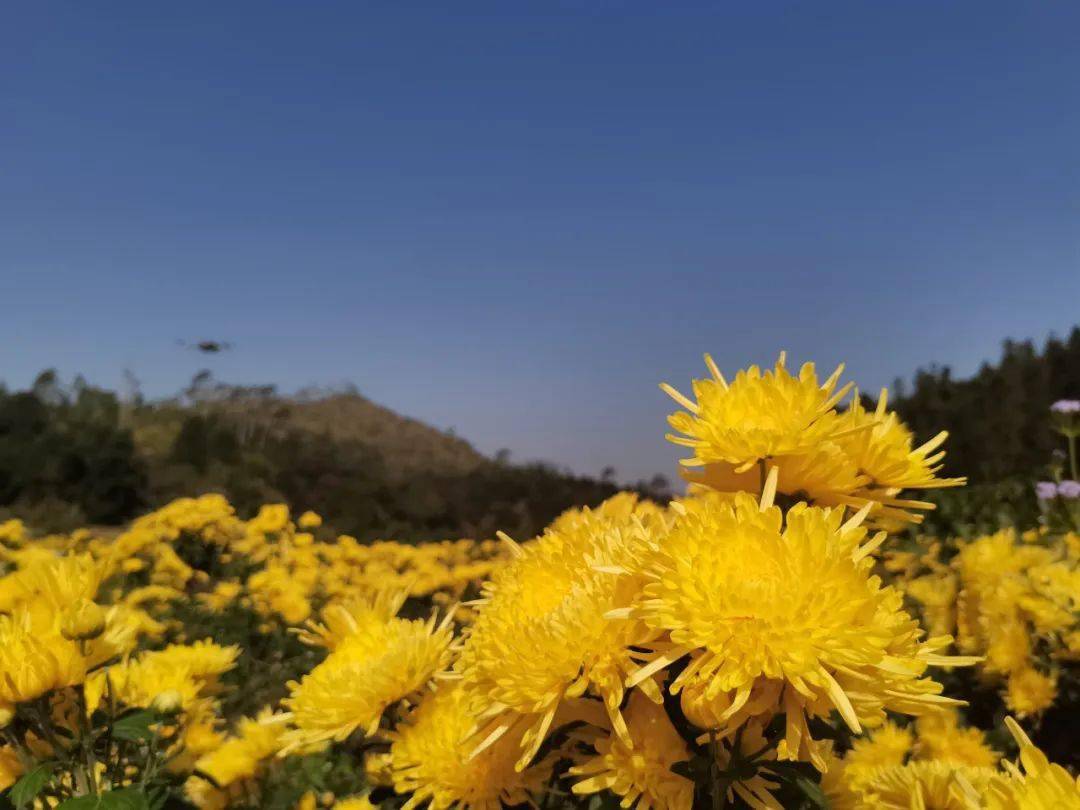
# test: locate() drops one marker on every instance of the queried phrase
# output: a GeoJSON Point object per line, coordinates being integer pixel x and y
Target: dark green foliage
{"type": "Point", "coordinates": [1000, 433]}
{"type": "Point", "coordinates": [332, 771]}
{"type": "Point", "coordinates": [999, 420]}
{"type": "Point", "coordinates": [66, 447]}
{"type": "Point", "coordinates": [31, 784]}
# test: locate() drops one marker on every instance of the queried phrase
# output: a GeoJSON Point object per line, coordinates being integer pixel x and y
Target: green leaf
{"type": "Point", "coordinates": [79, 803]}
{"type": "Point", "coordinates": [31, 784]}
{"type": "Point", "coordinates": [812, 791]}
{"type": "Point", "coordinates": [123, 799]}
{"type": "Point", "coordinates": [135, 727]}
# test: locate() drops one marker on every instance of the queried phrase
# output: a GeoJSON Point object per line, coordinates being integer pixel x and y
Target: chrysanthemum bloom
{"type": "Point", "coordinates": [775, 421]}
{"type": "Point", "coordinates": [356, 617]}
{"type": "Point", "coordinates": [748, 597]}
{"type": "Point", "coordinates": [1010, 593]}
{"type": "Point", "coordinates": [885, 747]}
{"type": "Point", "coordinates": [187, 674]}
{"type": "Point", "coordinates": [364, 675]}
{"type": "Point", "coordinates": [929, 784]}
{"type": "Point", "coordinates": [235, 762]}
{"type": "Point", "coordinates": [541, 636]}
{"type": "Point", "coordinates": [52, 583]}
{"type": "Point", "coordinates": [641, 774]}
{"type": "Point", "coordinates": [205, 660]}
{"type": "Point", "coordinates": [942, 738]}
{"type": "Point", "coordinates": [430, 760]}
{"type": "Point", "coordinates": [1040, 786]}
{"type": "Point", "coordinates": [756, 416]}
{"type": "Point", "coordinates": [32, 663]}
{"type": "Point", "coordinates": [882, 447]}
{"type": "Point", "coordinates": [1029, 692]}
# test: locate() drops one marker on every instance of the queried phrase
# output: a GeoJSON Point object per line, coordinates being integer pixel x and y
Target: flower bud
{"type": "Point", "coordinates": [82, 621]}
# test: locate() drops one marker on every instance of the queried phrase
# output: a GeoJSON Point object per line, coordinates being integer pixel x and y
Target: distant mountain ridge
{"type": "Point", "coordinates": [71, 454]}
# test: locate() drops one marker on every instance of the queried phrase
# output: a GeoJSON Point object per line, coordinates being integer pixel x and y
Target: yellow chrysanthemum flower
{"type": "Point", "coordinates": [53, 583]}
{"type": "Point", "coordinates": [756, 416]}
{"type": "Point", "coordinates": [364, 675]}
{"type": "Point", "coordinates": [235, 761]}
{"type": "Point", "coordinates": [360, 616]}
{"type": "Point", "coordinates": [1029, 692]}
{"type": "Point", "coordinates": [641, 774]}
{"type": "Point", "coordinates": [941, 738]}
{"type": "Point", "coordinates": [931, 785]}
{"type": "Point", "coordinates": [750, 596]}
{"type": "Point", "coordinates": [431, 761]}
{"type": "Point", "coordinates": [886, 747]}
{"type": "Point", "coordinates": [188, 675]}
{"type": "Point", "coordinates": [1041, 785]}
{"type": "Point", "coordinates": [541, 635]}
{"type": "Point", "coordinates": [881, 447]}
{"type": "Point", "coordinates": [34, 663]}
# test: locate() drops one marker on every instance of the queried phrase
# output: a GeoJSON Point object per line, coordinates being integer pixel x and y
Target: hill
{"type": "Point", "coordinates": [71, 454]}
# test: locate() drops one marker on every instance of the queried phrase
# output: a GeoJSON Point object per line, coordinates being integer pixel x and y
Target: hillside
{"type": "Point", "coordinates": [407, 446]}
{"type": "Point", "coordinates": [71, 454]}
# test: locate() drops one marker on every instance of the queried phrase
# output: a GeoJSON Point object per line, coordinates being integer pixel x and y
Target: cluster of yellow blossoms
{"type": "Point", "coordinates": [754, 643]}
{"type": "Point", "coordinates": [1013, 599]}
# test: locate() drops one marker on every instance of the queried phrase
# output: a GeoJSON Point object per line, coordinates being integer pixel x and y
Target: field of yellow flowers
{"type": "Point", "coordinates": [779, 637]}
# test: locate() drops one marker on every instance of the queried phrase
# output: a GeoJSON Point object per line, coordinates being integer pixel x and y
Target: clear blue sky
{"type": "Point", "coordinates": [515, 218]}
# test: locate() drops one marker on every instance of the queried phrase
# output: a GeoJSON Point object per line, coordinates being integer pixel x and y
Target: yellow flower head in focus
{"type": "Point", "coordinates": [751, 594]}
{"type": "Point", "coordinates": [881, 446]}
{"type": "Point", "coordinates": [756, 416]}
{"type": "Point", "coordinates": [364, 675]}
{"type": "Point", "coordinates": [1041, 785]}
{"type": "Point", "coordinates": [641, 775]}
{"type": "Point", "coordinates": [359, 616]}
{"type": "Point", "coordinates": [929, 784]}
{"type": "Point", "coordinates": [431, 761]}
{"type": "Point", "coordinates": [541, 635]}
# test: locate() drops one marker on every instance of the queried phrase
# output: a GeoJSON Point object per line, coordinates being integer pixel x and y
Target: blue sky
{"type": "Point", "coordinates": [514, 219]}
